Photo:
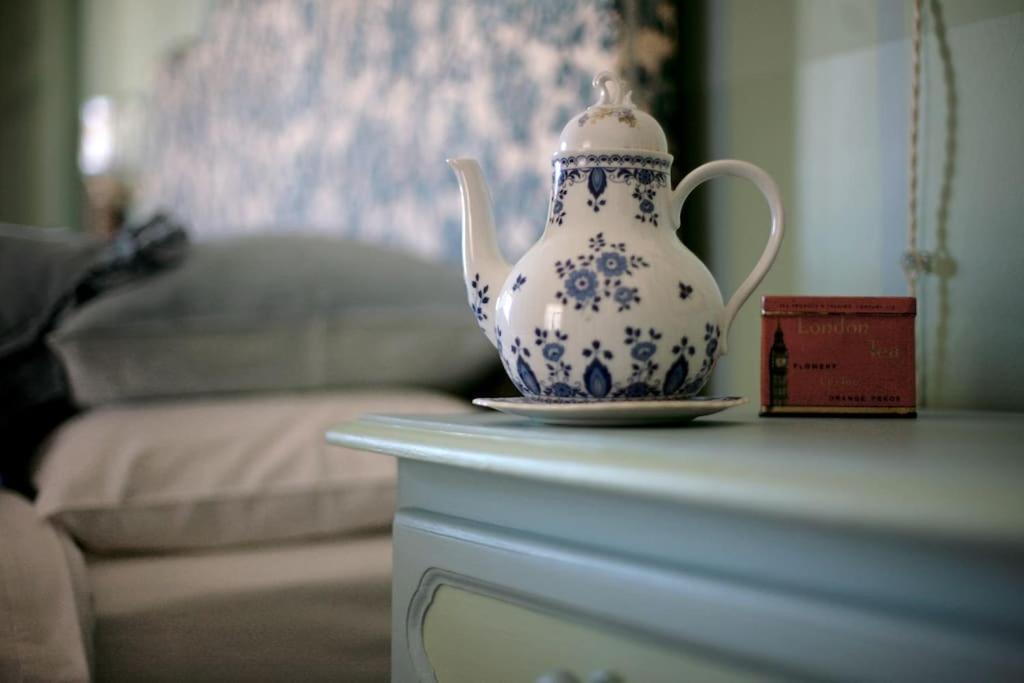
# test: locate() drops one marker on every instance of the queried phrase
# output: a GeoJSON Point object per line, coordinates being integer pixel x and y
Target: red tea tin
{"type": "Point", "coordinates": [824, 355]}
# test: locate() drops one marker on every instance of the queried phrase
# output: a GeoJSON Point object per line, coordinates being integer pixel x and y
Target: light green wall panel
{"type": "Point", "coordinates": [817, 92]}
{"type": "Point", "coordinates": [38, 183]}
{"type": "Point", "coordinates": [56, 53]}
{"type": "Point", "coordinates": [751, 112]}
{"type": "Point", "coordinates": [124, 40]}
{"type": "Point", "coordinates": [972, 313]}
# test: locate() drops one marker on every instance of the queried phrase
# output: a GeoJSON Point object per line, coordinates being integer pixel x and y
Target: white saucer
{"type": "Point", "coordinates": [610, 413]}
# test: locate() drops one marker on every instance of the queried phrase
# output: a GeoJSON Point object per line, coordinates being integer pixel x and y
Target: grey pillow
{"type": "Point", "coordinates": [276, 313]}
{"type": "Point", "coordinates": [39, 270]}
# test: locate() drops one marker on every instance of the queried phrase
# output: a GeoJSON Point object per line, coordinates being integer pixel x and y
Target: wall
{"type": "Point", "coordinates": [369, 98]}
{"type": "Point", "coordinates": [817, 93]}
{"type": "Point", "coordinates": [53, 54]}
{"type": "Point", "coordinates": [123, 44]}
{"type": "Point", "coordinates": [38, 184]}
{"type": "Point", "coordinates": [123, 40]}
{"type": "Point", "coordinates": [972, 320]}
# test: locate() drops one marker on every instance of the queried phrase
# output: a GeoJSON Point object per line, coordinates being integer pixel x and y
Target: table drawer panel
{"type": "Point", "coordinates": [510, 597]}
{"type": "Point", "coordinates": [469, 637]}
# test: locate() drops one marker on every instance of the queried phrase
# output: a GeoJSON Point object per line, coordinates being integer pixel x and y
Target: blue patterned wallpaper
{"type": "Point", "coordinates": [337, 116]}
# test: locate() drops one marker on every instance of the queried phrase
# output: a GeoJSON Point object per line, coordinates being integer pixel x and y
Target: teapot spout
{"type": "Point", "coordinates": [483, 266]}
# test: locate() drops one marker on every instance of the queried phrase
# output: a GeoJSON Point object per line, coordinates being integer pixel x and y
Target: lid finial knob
{"type": "Point", "coordinates": [607, 97]}
{"type": "Point", "coordinates": [613, 122]}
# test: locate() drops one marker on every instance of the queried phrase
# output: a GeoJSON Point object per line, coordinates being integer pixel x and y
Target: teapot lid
{"type": "Point", "coordinates": [613, 122]}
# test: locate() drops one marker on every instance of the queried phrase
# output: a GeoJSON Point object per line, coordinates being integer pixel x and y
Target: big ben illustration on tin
{"type": "Point", "coordinates": [778, 367]}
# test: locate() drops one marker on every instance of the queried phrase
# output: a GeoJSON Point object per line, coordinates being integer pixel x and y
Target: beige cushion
{"type": "Point", "coordinates": [206, 473]}
{"type": "Point", "coordinates": [45, 621]}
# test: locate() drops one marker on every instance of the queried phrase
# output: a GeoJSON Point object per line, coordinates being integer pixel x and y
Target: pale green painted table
{"type": "Point", "coordinates": [733, 548]}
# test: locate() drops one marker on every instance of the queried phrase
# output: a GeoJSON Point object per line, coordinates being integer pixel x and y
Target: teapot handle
{"type": "Point", "coordinates": [766, 185]}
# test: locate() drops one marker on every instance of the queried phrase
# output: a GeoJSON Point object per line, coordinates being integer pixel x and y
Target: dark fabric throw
{"type": "Point", "coordinates": [44, 274]}
{"type": "Point", "coordinates": [40, 268]}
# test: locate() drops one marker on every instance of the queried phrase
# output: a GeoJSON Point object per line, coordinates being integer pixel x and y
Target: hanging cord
{"type": "Point", "coordinates": [914, 262]}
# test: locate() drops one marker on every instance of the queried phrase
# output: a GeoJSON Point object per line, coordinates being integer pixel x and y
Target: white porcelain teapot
{"type": "Point", "coordinates": [608, 304]}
